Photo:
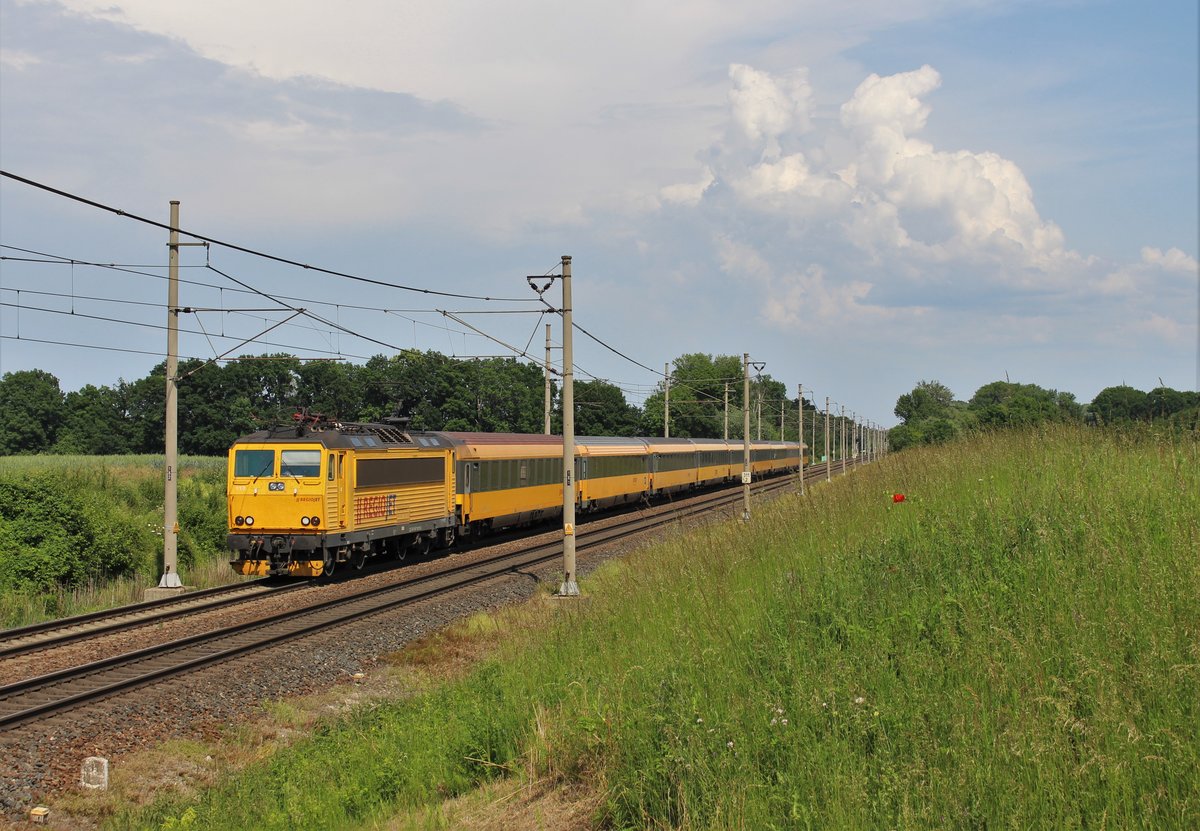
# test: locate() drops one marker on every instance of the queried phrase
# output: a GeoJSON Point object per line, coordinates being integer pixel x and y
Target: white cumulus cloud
{"type": "Point", "coordinates": [869, 183]}
{"type": "Point", "coordinates": [1172, 260]}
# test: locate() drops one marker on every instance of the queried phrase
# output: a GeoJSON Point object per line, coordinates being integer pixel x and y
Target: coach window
{"type": "Point", "coordinates": [332, 466]}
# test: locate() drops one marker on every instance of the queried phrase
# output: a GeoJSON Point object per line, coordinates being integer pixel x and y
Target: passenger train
{"type": "Point", "coordinates": [304, 499]}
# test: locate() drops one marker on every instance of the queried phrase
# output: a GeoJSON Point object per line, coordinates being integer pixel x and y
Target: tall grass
{"type": "Point", "coordinates": [68, 463]}
{"type": "Point", "coordinates": [1017, 644]}
{"type": "Point", "coordinates": [22, 607]}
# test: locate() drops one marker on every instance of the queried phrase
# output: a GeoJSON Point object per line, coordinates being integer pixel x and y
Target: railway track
{"type": "Point", "coordinates": [57, 692]}
{"type": "Point", "coordinates": [59, 632]}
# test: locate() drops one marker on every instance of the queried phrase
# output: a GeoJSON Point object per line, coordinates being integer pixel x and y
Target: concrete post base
{"type": "Point", "coordinates": [159, 593]}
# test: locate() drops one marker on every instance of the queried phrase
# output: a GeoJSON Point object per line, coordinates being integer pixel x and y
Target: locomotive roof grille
{"type": "Point", "coordinates": [385, 432]}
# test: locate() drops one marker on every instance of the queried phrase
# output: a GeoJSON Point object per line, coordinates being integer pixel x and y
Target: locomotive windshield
{"type": "Point", "coordinates": [254, 463]}
{"type": "Point", "coordinates": [300, 463]}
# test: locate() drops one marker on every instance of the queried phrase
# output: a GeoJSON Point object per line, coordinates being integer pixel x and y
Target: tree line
{"type": "Point", "coordinates": [220, 402]}
{"type": "Point", "coordinates": [929, 414]}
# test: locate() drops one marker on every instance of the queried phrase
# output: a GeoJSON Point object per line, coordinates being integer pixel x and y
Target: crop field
{"type": "Point", "coordinates": [1016, 644]}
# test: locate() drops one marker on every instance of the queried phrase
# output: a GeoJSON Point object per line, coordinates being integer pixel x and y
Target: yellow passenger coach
{"type": "Point", "coordinates": [305, 498]}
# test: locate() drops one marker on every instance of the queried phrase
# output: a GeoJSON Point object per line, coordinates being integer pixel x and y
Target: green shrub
{"type": "Point", "coordinates": [73, 524]}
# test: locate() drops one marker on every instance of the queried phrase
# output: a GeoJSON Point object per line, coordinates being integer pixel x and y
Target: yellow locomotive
{"type": "Point", "coordinates": [306, 498]}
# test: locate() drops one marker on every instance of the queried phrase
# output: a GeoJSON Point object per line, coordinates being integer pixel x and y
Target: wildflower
{"type": "Point", "coordinates": [859, 700]}
{"type": "Point", "coordinates": [699, 720]}
{"type": "Point", "coordinates": [784, 722]}
{"type": "Point", "coordinates": [729, 744]}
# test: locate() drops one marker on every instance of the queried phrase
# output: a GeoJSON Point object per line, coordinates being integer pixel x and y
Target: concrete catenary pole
{"type": "Point", "coordinates": [667, 402]}
{"type": "Point", "coordinates": [851, 447]}
{"type": "Point", "coordinates": [758, 406]}
{"type": "Point", "coordinates": [569, 587]}
{"type": "Point", "coordinates": [781, 406]}
{"type": "Point", "coordinates": [842, 435]}
{"type": "Point", "coordinates": [726, 411]}
{"type": "Point", "coordinates": [547, 372]}
{"type": "Point", "coordinates": [800, 430]}
{"type": "Point", "coordinates": [813, 448]}
{"type": "Point", "coordinates": [170, 576]}
{"type": "Point", "coordinates": [745, 436]}
{"type": "Point", "coordinates": [828, 474]}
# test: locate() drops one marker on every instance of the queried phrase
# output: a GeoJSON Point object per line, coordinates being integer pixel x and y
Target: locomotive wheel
{"type": "Point", "coordinates": [358, 558]}
{"type": "Point", "coordinates": [330, 564]}
{"type": "Point", "coordinates": [394, 549]}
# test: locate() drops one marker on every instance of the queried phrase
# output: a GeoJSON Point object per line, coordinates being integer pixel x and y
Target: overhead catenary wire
{"type": "Point", "coordinates": [285, 306]}
{"type": "Point", "coordinates": [331, 272]}
{"type": "Point", "coordinates": [253, 252]}
{"type": "Point", "coordinates": [629, 388]}
{"type": "Point", "coordinates": [160, 326]}
{"type": "Point", "coordinates": [158, 354]}
{"type": "Point", "coordinates": [278, 298]}
{"type": "Point", "coordinates": [61, 259]}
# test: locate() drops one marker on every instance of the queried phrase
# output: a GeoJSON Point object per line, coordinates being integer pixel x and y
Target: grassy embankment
{"type": "Point", "coordinates": [1017, 645]}
{"type": "Point", "coordinates": [81, 533]}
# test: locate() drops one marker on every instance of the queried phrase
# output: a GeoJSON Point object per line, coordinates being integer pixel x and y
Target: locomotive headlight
{"type": "Point", "coordinates": [249, 520]}
{"type": "Point", "coordinates": [238, 520]}
{"type": "Point", "coordinates": [304, 520]}
{"type": "Point", "coordinates": [315, 521]}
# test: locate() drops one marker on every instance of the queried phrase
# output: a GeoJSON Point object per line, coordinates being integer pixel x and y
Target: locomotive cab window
{"type": "Point", "coordinates": [254, 463]}
{"type": "Point", "coordinates": [300, 463]}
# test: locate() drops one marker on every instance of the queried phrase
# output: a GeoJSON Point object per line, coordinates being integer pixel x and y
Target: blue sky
{"type": "Point", "coordinates": [862, 195]}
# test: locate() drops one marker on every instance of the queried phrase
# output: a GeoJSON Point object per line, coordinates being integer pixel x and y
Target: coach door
{"type": "Point", "coordinates": [335, 490]}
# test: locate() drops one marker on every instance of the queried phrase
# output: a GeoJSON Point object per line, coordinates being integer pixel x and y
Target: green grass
{"type": "Point", "coordinates": [1015, 645]}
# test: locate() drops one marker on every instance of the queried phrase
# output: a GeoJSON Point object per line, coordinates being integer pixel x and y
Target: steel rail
{"type": "Point", "coordinates": [34, 628]}
{"type": "Point", "coordinates": [131, 617]}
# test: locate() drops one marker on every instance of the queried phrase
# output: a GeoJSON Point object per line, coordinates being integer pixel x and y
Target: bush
{"type": "Point", "coordinates": [57, 533]}
{"type": "Point", "coordinates": [79, 521]}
